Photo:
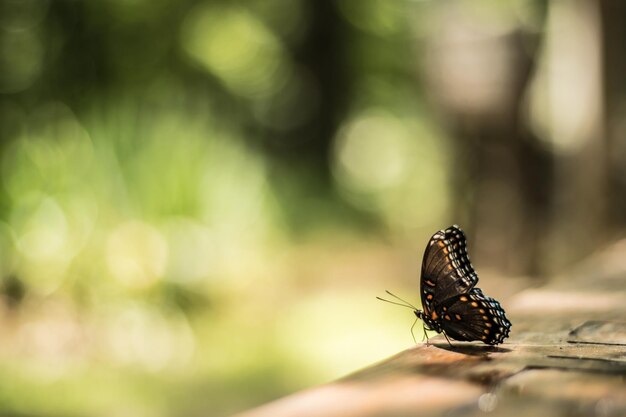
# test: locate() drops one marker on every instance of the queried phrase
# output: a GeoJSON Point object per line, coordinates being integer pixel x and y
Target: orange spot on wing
{"type": "Point", "coordinates": [463, 298]}
{"type": "Point", "coordinates": [429, 297]}
{"type": "Point", "coordinates": [474, 304]}
{"type": "Point", "coordinates": [434, 315]}
{"type": "Point", "coordinates": [441, 244]}
{"type": "Point", "coordinates": [458, 316]}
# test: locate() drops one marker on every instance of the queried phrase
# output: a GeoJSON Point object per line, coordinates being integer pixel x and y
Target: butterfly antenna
{"type": "Point", "coordinates": [398, 298]}
{"type": "Point", "coordinates": [403, 303]}
{"type": "Point", "coordinates": [393, 302]}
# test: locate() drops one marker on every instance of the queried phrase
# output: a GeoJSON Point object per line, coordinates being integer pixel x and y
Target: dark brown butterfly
{"type": "Point", "coordinates": [451, 304]}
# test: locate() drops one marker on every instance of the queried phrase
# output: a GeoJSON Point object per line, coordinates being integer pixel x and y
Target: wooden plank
{"type": "Point", "coordinates": [560, 360]}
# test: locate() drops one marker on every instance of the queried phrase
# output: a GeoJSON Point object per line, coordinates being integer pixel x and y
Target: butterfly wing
{"type": "Point", "coordinates": [446, 268]}
{"type": "Point", "coordinates": [474, 316]}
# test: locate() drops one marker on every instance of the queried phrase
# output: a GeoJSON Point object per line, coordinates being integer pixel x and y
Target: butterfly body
{"type": "Point", "coordinates": [451, 303]}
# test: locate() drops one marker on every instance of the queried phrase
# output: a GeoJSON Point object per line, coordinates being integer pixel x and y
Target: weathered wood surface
{"type": "Point", "coordinates": [566, 357]}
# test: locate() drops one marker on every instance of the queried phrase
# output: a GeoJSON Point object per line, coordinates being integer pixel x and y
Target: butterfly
{"type": "Point", "coordinates": [451, 302]}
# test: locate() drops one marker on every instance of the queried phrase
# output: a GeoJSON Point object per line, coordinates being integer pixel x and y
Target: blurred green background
{"type": "Point", "coordinates": [199, 200]}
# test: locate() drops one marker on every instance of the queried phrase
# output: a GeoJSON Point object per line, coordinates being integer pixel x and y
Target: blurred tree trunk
{"type": "Point", "coordinates": [321, 53]}
{"type": "Point", "coordinates": [502, 182]}
{"type": "Point", "coordinates": [613, 15]}
{"type": "Point", "coordinates": [535, 202]}
{"type": "Point", "coordinates": [570, 114]}
{"type": "Point", "coordinates": [303, 152]}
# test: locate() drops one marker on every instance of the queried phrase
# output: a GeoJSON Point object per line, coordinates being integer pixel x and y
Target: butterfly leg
{"type": "Point", "coordinates": [413, 334]}
{"type": "Point", "coordinates": [425, 335]}
{"type": "Point", "coordinates": [446, 336]}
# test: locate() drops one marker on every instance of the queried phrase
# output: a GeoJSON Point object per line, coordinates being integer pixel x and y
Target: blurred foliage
{"type": "Point", "coordinates": [200, 199]}
{"type": "Point", "coordinates": [179, 180]}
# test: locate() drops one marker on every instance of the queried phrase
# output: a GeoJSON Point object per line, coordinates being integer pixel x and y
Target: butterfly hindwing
{"type": "Point", "coordinates": [474, 316]}
{"type": "Point", "coordinates": [446, 268]}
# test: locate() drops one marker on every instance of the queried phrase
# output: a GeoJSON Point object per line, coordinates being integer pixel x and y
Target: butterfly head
{"type": "Point", "coordinates": [430, 322]}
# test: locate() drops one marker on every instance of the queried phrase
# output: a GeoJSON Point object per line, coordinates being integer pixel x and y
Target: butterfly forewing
{"type": "Point", "coordinates": [446, 268]}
